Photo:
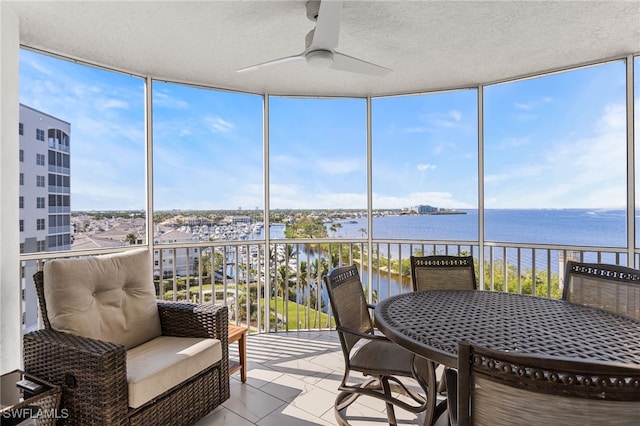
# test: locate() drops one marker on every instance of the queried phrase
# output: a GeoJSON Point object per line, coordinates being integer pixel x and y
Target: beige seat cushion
{"type": "Point", "coordinates": [107, 297]}
{"type": "Point", "coordinates": [166, 361]}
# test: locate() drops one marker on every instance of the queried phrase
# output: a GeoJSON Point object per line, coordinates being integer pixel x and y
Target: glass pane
{"type": "Point", "coordinates": [425, 166]}
{"type": "Point", "coordinates": [207, 164]}
{"type": "Point", "coordinates": [317, 167]}
{"type": "Point", "coordinates": [83, 128]}
{"type": "Point", "coordinates": [555, 158]}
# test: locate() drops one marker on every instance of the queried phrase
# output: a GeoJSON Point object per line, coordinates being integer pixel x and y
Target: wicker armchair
{"type": "Point", "coordinates": [612, 288]}
{"type": "Point", "coordinates": [371, 354]}
{"type": "Point", "coordinates": [497, 388]}
{"type": "Point", "coordinates": [94, 374]}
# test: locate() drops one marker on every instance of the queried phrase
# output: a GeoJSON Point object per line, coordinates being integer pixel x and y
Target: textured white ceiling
{"type": "Point", "coordinates": [428, 44]}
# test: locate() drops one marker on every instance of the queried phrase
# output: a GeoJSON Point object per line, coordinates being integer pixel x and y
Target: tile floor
{"type": "Point", "coordinates": [292, 380]}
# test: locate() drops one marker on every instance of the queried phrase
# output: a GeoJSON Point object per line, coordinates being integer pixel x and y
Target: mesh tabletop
{"type": "Point", "coordinates": [430, 323]}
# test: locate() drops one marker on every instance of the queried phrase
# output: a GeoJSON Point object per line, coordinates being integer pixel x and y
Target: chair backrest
{"type": "Point", "coordinates": [443, 273]}
{"type": "Point", "coordinates": [107, 297]}
{"type": "Point", "coordinates": [613, 288]}
{"type": "Point", "coordinates": [348, 303]}
{"type": "Point", "coordinates": [500, 388]}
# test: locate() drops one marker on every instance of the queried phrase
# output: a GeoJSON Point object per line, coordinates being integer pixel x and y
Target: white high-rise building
{"type": "Point", "coordinates": [45, 195]}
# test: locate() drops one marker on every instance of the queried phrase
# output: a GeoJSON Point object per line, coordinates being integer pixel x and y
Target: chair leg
{"type": "Point", "coordinates": [391, 415]}
{"type": "Point", "coordinates": [442, 384]}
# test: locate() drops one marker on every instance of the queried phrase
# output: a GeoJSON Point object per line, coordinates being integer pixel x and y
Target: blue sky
{"type": "Point", "coordinates": [552, 142]}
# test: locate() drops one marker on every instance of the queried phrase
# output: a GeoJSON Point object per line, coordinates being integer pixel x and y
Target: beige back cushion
{"type": "Point", "coordinates": [106, 297]}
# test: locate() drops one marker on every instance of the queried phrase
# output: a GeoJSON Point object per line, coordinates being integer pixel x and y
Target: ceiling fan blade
{"type": "Point", "coordinates": [285, 60]}
{"type": "Point", "coordinates": [348, 63]}
{"type": "Point", "coordinates": [327, 32]}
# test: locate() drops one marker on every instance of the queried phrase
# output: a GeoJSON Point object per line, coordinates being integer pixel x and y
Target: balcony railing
{"type": "Point", "coordinates": [280, 287]}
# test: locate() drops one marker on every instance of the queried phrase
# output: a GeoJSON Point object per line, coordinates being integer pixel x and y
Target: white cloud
{"type": "Point", "coordinates": [161, 99]}
{"type": "Point", "coordinates": [416, 130]}
{"type": "Point", "coordinates": [337, 167]}
{"type": "Point", "coordinates": [588, 172]}
{"type": "Point", "coordinates": [449, 119]}
{"type": "Point", "coordinates": [283, 160]}
{"type": "Point", "coordinates": [425, 167]}
{"type": "Point", "coordinates": [533, 103]}
{"type": "Point", "coordinates": [218, 124]}
{"type": "Point", "coordinates": [33, 62]}
{"type": "Point", "coordinates": [112, 103]}
{"type": "Point", "coordinates": [614, 117]}
{"type": "Point", "coordinates": [511, 142]}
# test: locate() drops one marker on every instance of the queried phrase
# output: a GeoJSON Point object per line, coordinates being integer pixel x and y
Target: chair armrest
{"type": "Point", "coordinates": [360, 334]}
{"type": "Point", "coordinates": [92, 373]}
{"type": "Point", "coordinates": [199, 320]}
{"type": "Point", "coordinates": [194, 320]}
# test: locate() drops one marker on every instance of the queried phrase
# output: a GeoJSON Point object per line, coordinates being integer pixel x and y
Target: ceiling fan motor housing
{"type": "Point", "coordinates": [319, 58]}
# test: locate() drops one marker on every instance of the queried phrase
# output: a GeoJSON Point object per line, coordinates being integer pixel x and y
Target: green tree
{"type": "Point", "coordinates": [335, 227]}
{"type": "Point", "coordinates": [306, 227]}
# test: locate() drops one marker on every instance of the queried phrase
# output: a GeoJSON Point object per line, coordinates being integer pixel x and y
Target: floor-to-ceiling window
{"type": "Point", "coordinates": [425, 164]}
{"type": "Point", "coordinates": [555, 158]}
{"type": "Point", "coordinates": [82, 161]}
{"type": "Point", "coordinates": [555, 169]}
{"type": "Point", "coordinates": [317, 161]}
{"type": "Point", "coordinates": [105, 145]}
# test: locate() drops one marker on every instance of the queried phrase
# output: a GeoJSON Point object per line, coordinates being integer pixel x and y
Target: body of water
{"type": "Point", "coordinates": [536, 226]}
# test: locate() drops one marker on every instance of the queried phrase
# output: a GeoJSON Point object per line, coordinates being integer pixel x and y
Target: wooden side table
{"type": "Point", "coordinates": [239, 334]}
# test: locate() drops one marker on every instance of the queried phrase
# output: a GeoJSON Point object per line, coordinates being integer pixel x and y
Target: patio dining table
{"type": "Point", "coordinates": [431, 323]}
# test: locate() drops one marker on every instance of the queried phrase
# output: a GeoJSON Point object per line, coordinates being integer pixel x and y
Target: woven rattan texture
{"type": "Point", "coordinates": [92, 373]}
{"type": "Point", "coordinates": [45, 406]}
{"type": "Point", "coordinates": [38, 280]}
{"type": "Point", "coordinates": [432, 323]}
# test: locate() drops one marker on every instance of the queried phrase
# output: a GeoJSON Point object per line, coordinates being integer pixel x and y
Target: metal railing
{"type": "Point", "coordinates": [280, 287]}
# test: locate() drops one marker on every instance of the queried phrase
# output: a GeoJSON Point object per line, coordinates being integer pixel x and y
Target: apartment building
{"type": "Point", "coordinates": [45, 204]}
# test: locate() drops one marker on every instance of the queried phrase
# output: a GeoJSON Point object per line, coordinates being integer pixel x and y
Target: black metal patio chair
{"type": "Point", "coordinates": [498, 388]}
{"type": "Point", "coordinates": [612, 288]}
{"type": "Point", "coordinates": [372, 354]}
{"type": "Point", "coordinates": [443, 272]}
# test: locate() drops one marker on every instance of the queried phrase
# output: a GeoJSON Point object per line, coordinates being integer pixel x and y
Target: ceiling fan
{"type": "Point", "coordinates": [321, 43]}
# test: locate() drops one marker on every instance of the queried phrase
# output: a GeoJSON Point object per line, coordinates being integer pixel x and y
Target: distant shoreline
{"type": "Point", "coordinates": [396, 275]}
{"type": "Point", "coordinates": [433, 213]}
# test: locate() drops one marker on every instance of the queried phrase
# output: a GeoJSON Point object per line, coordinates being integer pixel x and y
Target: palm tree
{"type": "Point", "coordinates": [335, 227]}
{"type": "Point", "coordinates": [362, 231]}
{"type": "Point", "coordinates": [131, 238]}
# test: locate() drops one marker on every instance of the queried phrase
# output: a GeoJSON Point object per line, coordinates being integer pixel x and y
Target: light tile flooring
{"type": "Point", "coordinates": [292, 380]}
